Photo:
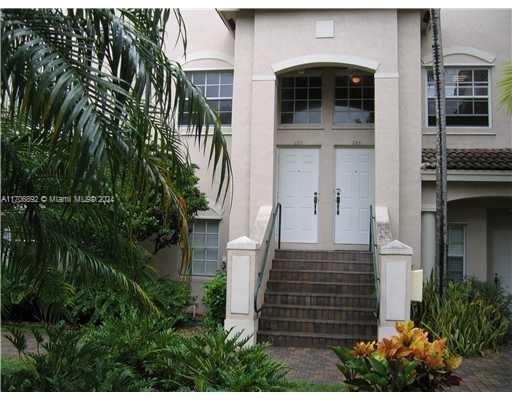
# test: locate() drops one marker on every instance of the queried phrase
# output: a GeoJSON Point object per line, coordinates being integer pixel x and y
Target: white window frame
{"type": "Point", "coordinates": [464, 255]}
{"type": "Point", "coordinates": [489, 96]}
{"type": "Point", "coordinates": [206, 71]}
{"type": "Point", "coordinates": [206, 221]}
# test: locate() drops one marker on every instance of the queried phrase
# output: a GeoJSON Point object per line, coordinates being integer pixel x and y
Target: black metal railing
{"type": "Point", "coordinates": [276, 215]}
{"type": "Point", "coordinates": [372, 248]}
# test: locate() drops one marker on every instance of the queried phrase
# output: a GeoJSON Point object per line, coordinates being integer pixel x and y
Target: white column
{"type": "Point", "coordinates": [387, 154]}
{"type": "Point", "coordinates": [428, 239]}
{"type": "Point", "coordinates": [241, 280]}
{"type": "Point", "coordinates": [262, 144]}
{"type": "Point", "coordinates": [239, 222]}
{"type": "Point", "coordinates": [395, 286]}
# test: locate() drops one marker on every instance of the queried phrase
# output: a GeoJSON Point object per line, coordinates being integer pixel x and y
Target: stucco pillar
{"type": "Point", "coordinates": [262, 151]}
{"type": "Point", "coordinates": [428, 238]}
{"type": "Point", "coordinates": [239, 221]}
{"type": "Point", "coordinates": [395, 286]}
{"type": "Point", "coordinates": [241, 280]}
{"type": "Point", "coordinates": [387, 157]}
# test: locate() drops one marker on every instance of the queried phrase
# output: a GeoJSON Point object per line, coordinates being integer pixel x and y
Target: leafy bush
{"type": "Point", "coordinates": [96, 305]}
{"type": "Point", "coordinates": [143, 353]}
{"type": "Point", "coordinates": [215, 300]}
{"type": "Point", "coordinates": [217, 361]}
{"type": "Point", "coordinates": [473, 316]}
{"type": "Point", "coordinates": [406, 362]}
{"type": "Point", "coordinates": [69, 363]}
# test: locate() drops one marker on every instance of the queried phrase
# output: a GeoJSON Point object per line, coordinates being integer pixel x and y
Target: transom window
{"type": "Point", "coordinates": [205, 248]}
{"type": "Point", "coordinates": [217, 86]}
{"type": "Point", "coordinates": [467, 97]}
{"type": "Point", "coordinates": [354, 99]}
{"type": "Point", "coordinates": [456, 246]}
{"type": "Point", "coordinates": [301, 100]}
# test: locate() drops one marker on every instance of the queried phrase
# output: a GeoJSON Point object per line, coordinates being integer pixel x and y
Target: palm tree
{"type": "Point", "coordinates": [90, 104]}
{"type": "Point", "coordinates": [441, 258]}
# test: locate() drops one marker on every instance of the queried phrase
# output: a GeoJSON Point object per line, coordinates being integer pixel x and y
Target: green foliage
{"type": "Point", "coordinates": [472, 315]}
{"type": "Point", "coordinates": [405, 362]}
{"type": "Point", "coordinates": [506, 86]}
{"type": "Point", "coordinates": [144, 353]}
{"type": "Point", "coordinates": [69, 363]}
{"type": "Point", "coordinates": [89, 104]}
{"type": "Point", "coordinates": [149, 221]}
{"type": "Point", "coordinates": [218, 361]}
{"type": "Point", "coordinates": [375, 373]}
{"type": "Point", "coordinates": [171, 298]}
{"type": "Point", "coordinates": [17, 338]}
{"type": "Point", "coordinates": [215, 300]}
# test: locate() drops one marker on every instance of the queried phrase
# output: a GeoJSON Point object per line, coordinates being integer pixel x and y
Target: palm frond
{"type": "Point", "coordinates": [93, 94]}
{"type": "Point", "coordinates": [506, 86]}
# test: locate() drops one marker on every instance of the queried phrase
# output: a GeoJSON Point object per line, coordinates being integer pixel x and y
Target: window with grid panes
{"type": "Point", "coordinates": [301, 99]}
{"type": "Point", "coordinates": [217, 86]}
{"type": "Point", "coordinates": [467, 97]}
{"type": "Point", "coordinates": [455, 265]}
{"type": "Point", "coordinates": [354, 99]}
{"type": "Point", "coordinates": [205, 247]}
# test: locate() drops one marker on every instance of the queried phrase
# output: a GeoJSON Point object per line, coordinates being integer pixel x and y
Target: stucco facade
{"type": "Point", "coordinates": [262, 47]}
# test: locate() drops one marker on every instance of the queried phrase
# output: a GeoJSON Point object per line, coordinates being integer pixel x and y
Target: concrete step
{"type": "Point", "coordinates": [321, 276]}
{"type": "Point", "coordinates": [335, 255]}
{"type": "Point", "coordinates": [319, 299]}
{"type": "Point", "coordinates": [357, 328]}
{"type": "Point", "coordinates": [300, 339]}
{"type": "Point", "coordinates": [321, 265]}
{"type": "Point", "coordinates": [318, 312]}
{"type": "Point", "coordinates": [320, 287]}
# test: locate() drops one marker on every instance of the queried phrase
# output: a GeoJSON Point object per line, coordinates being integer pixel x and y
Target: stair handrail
{"type": "Point", "coordinates": [276, 212]}
{"type": "Point", "coordinates": [372, 248]}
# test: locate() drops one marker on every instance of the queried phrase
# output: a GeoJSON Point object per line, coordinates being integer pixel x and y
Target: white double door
{"type": "Point", "coordinates": [355, 190]}
{"type": "Point", "coordinates": [298, 193]}
{"type": "Point", "coordinates": [297, 186]}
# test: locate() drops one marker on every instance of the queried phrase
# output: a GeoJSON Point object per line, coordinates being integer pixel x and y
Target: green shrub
{"type": "Point", "coordinates": [138, 353]}
{"type": "Point", "coordinates": [408, 361]}
{"type": "Point", "coordinates": [70, 363]}
{"type": "Point", "coordinates": [472, 315]}
{"type": "Point", "coordinates": [217, 361]}
{"type": "Point", "coordinates": [215, 300]}
{"type": "Point", "coordinates": [96, 305]}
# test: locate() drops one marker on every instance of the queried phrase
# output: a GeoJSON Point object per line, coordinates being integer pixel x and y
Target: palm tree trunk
{"type": "Point", "coordinates": [441, 169]}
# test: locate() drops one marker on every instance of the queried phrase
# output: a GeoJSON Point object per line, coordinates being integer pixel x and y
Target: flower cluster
{"type": "Point", "coordinates": [404, 362]}
{"type": "Point", "coordinates": [410, 343]}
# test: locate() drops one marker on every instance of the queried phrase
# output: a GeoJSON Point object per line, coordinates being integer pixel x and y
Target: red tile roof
{"type": "Point", "coordinates": [471, 159]}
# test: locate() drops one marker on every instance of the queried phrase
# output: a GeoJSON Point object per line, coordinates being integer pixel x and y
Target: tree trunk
{"type": "Point", "coordinates": [441, 156]}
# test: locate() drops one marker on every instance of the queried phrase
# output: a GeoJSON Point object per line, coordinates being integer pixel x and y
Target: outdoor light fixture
{"type": "Point", "coordinates": [356, 79]}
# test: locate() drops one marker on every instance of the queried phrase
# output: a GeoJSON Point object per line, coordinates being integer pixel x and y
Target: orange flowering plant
{"type": "Point", "coordinates": [408, 361]}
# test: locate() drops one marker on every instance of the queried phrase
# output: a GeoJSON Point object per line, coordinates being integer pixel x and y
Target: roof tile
{"type": "Point", "coordinates": [471, 159]}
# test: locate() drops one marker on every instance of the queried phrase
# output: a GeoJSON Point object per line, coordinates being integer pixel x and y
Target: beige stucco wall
{"type": "Point", "coordinates": [210, 46]}
{"type": "Point", "coordinates": [292, 37]}
{"type": "Point", "coordinates": [409, 40]}
{"type": "Point", "coordinates": [388, 39]}
{"type": "Point", "coordinates": [469, 204]}
{"type": "Point", "coordinates": [484, 30]}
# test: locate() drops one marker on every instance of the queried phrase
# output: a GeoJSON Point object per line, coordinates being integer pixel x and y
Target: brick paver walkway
{"type": "Point", "coordinates": [492, 373]}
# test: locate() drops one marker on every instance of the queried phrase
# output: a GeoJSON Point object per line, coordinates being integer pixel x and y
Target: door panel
{"type": "Point", "coordinates": [354, 179]}
{"type": "Point", "coordinates": [298, 180]}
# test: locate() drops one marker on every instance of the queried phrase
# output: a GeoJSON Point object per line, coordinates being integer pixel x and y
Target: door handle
{"type": "Point", "coordinates": [315, 201]}
{"type": "Point", "coordinates": [338, 199]}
